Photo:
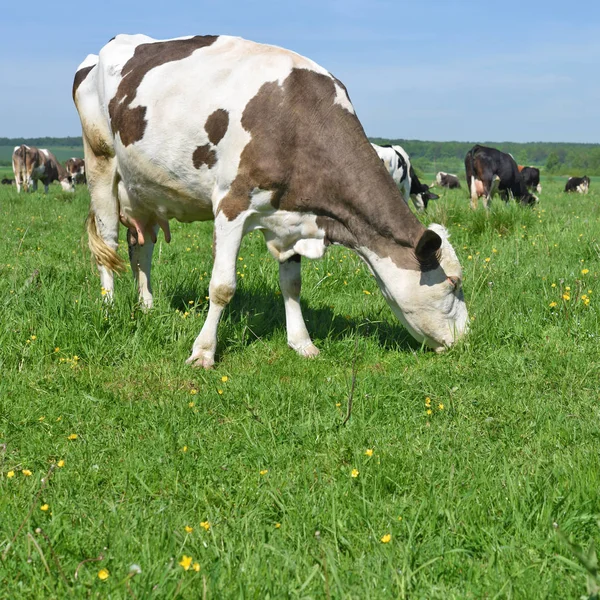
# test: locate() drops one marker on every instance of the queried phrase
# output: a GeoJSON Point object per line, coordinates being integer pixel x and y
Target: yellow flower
{"type": "Point", "coordinates": [586, 301]}
{"type": "Point", "coordinates": [494, 250]}
{"type": "Point", "coordinates": [60, 463]}
{"type": "Point", "coordinates": [469, 257]}
{"type": "Point", "coordinates": [568, 289]}
{"type": "Point", "coordinates": [196, 567]}
{"type": "Point", "coordinates": [205, 525]}
{"type": "Point", "coordinates": [44, 507]}
{"type": "Point", "coordinates": [264, 471]}
{"type": "Point", "coordinates": [188, 529]}
{"type": "Point", "coordinates": [386, 538]}
{"type": "Point", "coordinates": [26, 472]}
{"type": "Point", "coordinates": [354, 473]}
{"type": "Point", "coordinates": [428, 401]}
{"type": "Point", "coordinates": [41, 418]}
{"type": "Point", "coordinates": [277, 525]}
{"type": "Point", "coordinates": [553, 285]}
{"type": "Point", "coordinates": [429, 411]}
{"type": "Point", "coordinates": [220, 392]}
{"type": "Point", "coordinates": [338, 404]}
{"type": "Point", "coordinates": [369, 451]}
{"type": "Point", "coordinates": [186, 562]}
{"type": "Point", "coordinates": [366, 292]}
{"type": "Point", "coordinates": [193, 392]}
{"type": "Point", "coordinates": [552, 304]}
{"type": "Point", "coordinates": [73, 436]}
{"type": "Point", "coordinates": [191, 404]}
{"type": "Point", "coordinates": [190, 302]}
{"type": "Point", "coordinates": [103, 574]}
{"type": "Point", "coordinates": [34, 337]}
{"type": "Point", "coordinates": [103, 291]}
{"type": "Point", "coordinates": [566, 297]}
{"type": "Point", "coordinates": [184, 449]}
{"type": "Point", "coordinates": [224, 378]}
{"type": "Point", "coordinates": [10, 474]}
{"type": "Point", "coordinates": [488, 259]}
{"type": "Point", "coordinates": [441, 406]}
{"type": "Point", "coordinates": [585, 271]}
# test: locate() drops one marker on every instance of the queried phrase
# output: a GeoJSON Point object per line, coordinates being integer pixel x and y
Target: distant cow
{"type": "Point", "coordinates": [531, 178]}
{"type": "Point", "coordinates": [31, 165]}
{"type": "Point", "coordinates": [397, 163]}
{"type": "Point", "coordinates": [578, 184]}
{"type": "Point", "coordinates": [489, 171]}
{"type": "Point", "coordinates": [76, 169]}
{"type": "Point", "coordinates": [447, 180]}
{"type": "Point", "coordinates": [7, 181]}
{"type": "Point", "coordinates": [253, 137]}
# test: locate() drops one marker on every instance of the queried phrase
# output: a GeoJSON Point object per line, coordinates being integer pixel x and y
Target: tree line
{"type": "Point", "coordinates": [554, 158]}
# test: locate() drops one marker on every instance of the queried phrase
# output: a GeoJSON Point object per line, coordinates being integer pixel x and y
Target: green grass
{"type": "Point", "coordinates": [479, 497]}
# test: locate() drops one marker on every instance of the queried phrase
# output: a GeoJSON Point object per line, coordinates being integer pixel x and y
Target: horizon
{"type": "Point", "coordinates": [439, 71]}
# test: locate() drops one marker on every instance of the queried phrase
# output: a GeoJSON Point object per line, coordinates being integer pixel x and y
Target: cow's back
{"type": "Point", "coordinates": [146, 103]}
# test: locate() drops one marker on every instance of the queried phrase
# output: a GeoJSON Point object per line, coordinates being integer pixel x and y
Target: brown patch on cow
{"type": "Point", "coordinates": [216, 125]}
{"type": "Point", "coordinates": [131, 123]}
{"type": "Point", "coordinates": [314, 156]}
{"type": "Point", "coordinates": [204, 155]}
{"type": "Point", "coordinates": [80, 77]}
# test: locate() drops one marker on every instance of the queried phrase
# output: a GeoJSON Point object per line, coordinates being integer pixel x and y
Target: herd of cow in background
{"type": "Point", "coordinates": [488, 171]}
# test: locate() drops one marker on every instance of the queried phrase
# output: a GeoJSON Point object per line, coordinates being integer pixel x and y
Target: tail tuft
{"type": "Point", "coordinates": [102, 253]}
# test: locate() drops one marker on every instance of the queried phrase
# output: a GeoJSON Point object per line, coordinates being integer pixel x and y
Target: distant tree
{"type": "Point", "coordinates": [552, 162]}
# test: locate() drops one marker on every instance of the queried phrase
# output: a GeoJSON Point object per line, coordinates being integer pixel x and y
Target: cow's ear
{"type": "Point", "coordinates": [428, 245]}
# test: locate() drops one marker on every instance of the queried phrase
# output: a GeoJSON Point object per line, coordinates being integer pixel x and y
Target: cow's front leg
{"type": "Point", "coordinates": [140, 258]}
{"type": "Point", "coordinates": [290, 283]}
{"type": "Point", "coordinates": [226, 245]}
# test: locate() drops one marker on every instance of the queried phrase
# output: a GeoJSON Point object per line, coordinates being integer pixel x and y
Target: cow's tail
{"type": "Point", "coordinates": [102, 253]}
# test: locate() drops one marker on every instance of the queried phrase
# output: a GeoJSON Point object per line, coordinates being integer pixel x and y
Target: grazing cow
{"type": "Point", "coordinates": [578, 184]}
{"type": "Point", "coordinates": [397, 163]}
{"type": "Point", "coordinates": [76, 169]}
{"type": "Point", "coordinates": [255, 137]}
{"type": "Point", "coordinates": [489, 171]}
{"type": "Point", "coordinates": [31, 165]}
{"type": "Point", "coordinates": [531, 178]}
{"type": "Point", "coordinates": [7, 181]}
{"type": "Point", "coordinates": [447, 180]}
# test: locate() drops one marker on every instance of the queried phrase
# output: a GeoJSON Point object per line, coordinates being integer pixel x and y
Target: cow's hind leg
{"type": "Point", "coordinates": [140, 258]}
{"type": "Point", "coordinates": [290, 283]}
{"type": "Point", "coordinates": [226, 245]}
{"type": "Point", "coordinates": [474, 194]}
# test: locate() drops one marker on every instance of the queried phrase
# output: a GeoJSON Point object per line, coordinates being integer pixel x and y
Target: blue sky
{"type": "Point", "coordinates": [430, 70]}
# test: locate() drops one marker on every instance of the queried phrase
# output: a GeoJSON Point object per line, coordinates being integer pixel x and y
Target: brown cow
{"type": "Point", "coordinates": [31, 165]}
{"type": "Point", "coordinates": [76, 169]}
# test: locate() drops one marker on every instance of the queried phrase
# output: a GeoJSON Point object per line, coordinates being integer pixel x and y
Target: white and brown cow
{"type": "Point", "coordinates": [255, 137]}
{"type": "Point", "coordinates": [76, 169]}
{"type": "Point", "coordinates": [397, 162]}
{"type": "Point", "coordinates": [31, 165]}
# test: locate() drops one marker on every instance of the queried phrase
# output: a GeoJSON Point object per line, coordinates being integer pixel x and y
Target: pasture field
{"type": "Point", "coordinates": [470, 474]}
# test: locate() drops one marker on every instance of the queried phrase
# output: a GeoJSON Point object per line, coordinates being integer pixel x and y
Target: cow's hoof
{"type": "Point", "coordinates": [202, 360]}
{"type": "Point", "coordinates": [309, 351]}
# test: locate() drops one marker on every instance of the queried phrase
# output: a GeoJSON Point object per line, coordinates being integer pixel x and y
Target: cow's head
{"type": "Point", "coordinates": [427, 297]}
{"type": "Point", "coordinates": [67, 184]}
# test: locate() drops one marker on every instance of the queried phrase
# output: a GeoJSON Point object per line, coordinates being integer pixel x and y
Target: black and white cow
{"type": "Point", "coordinates": [489, 171]}
{"type": "Point", "coordinates": [531, 178]}
{"type": "Point", "coordinates": [31, 165]}
{"type": "Point", "coordinates": [447, 180]}
{"type": "Point", "coordinates": [397, 163]}
{"type": "Point", "coordinates": [578, 184]}
{"type": "Point", "coordinates": [7, 181]}
{"type": "Point", "coordinates": [255, 137]}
